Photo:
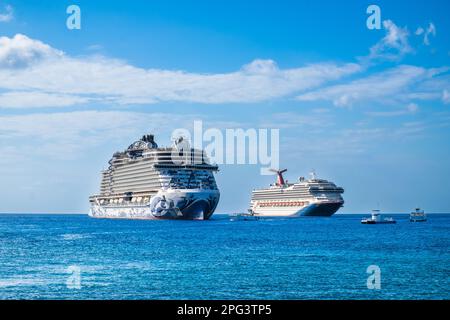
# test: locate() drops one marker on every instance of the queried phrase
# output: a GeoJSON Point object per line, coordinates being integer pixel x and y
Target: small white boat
{"type": "Point", "coordinates": [417, 216]}
{"type": "Point", "coordinates": [377, 219]}
{"type": "Point", "coordinates": [243, 217]}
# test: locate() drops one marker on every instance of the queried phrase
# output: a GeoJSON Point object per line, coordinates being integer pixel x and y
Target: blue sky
{"type": "Point", "coordinates": [368, 109]}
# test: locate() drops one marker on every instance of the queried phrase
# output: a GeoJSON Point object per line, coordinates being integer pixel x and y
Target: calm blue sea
{"type": "Point", "coordinates": [76, 257]}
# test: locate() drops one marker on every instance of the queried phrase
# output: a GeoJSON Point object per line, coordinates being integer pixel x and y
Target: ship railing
{"type": "Point", "coordinates": [126, 204]}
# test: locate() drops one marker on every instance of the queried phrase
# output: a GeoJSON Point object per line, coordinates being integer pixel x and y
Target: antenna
{"type": "Point", "coordinates": [180, 142]}
{"type": "Point", "coordinates": [280, 179]}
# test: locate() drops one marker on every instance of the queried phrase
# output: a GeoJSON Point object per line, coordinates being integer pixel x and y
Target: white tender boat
{"type": "Point", "coordinates": [243, 217]}
{"type": "Point", "coordinates": [377, 219]}
{"type": "Point", "coordinates": [417, 216]}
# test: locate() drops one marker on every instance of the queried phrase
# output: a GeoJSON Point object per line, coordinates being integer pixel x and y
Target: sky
{"type": "Point", "coordinates": [366, 108]}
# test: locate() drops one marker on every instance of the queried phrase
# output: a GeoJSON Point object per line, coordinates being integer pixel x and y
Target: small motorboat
{"type": "Point", "coordinates": [377, 219]}
{"type": "Point", "coordinates": [250, 216]}
{"type": "Point", "coordinates": [417, 216]}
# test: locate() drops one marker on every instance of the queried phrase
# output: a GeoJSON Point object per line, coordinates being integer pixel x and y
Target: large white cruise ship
{"type": "Point", "coordinates": [148, 182]}
{"type": "Point", "coordinates": [312, 197]}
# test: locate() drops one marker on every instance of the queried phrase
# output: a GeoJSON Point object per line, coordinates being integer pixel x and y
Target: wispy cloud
{"type": "Point", "coordinates": [315, 120]}
{"type": "Point", "coordinates": [8, 14]}
{"type": "Point", "coordinates": [396, 84]}
{"type": "Point", "coordinates": [94, 47]}
{"type": "Point", "coordinates": [32, 67]}
{"type": "Point", "coordinates": [446, 96]}
{"type": "Point", "coordinates": [430, 30]}
{"type": "Point", "coordinates": [393, 46]}
{"type": "Point", "coordinates": [73, 135]}
{"type": "Point", "coordinates": [410, 109]}
{"type": "Point", "coordinates": [68, 134]}
{"type": "Point", "coordinates": [36, 99]}
{"type": "Point", "coordinates": [352, 141]}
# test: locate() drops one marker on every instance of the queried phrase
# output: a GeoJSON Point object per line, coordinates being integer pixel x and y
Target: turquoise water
{"type": "Point", "coordinates": [41, 257]}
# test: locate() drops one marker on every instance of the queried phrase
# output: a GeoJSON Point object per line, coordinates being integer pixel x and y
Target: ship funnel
{"type": "Point", "coordinates": [280, 179]}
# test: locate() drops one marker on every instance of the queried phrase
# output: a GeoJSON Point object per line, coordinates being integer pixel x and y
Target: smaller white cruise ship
{"type": "Point", "coordinates": [307, 197]}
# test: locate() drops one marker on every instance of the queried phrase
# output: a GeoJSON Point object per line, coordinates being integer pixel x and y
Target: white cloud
{"type": "Point", "coordinates": [260, 66]}
{"type": "Point", "coordinates": [318, 119]}
{"type": "Point", "coordinates": [68, 125]}
{"type": "Point", "coordinates": [431, 30]}
{"type": "Point", "coordinates": [395, 84]}
{"type": "Point", "coordinates": [393, 45]}
{"type": "Point", "coordinates": [70, 134]}
{"type": "Point", "coordinates": [21, 51]}
{"type": "Point", "coordinates": [33, 75]}
{"type": "Point", "coordinates": [94, 47]}
{"type": "Point", "coordinates": [446, 96]}
{"type": "Point", "coordinates": [30, 65]}
{"type": "Point", "coordinates": [348, 142]}
{"type": "Point", "coordinates": [419, 31]}
{"type": "Point", "coordinates": [410, 109]}
{"type": "Point", "coordinates": [32, 99]}
{"type": "Point", "coordinates": [8, 15]}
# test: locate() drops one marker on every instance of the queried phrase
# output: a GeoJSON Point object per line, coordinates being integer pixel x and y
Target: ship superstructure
{"type": "Point", "coordinates": [149, 182]}
{"type": "Point", "coordinates": [418, 215]}
{"type": "Point", "coordinates": [307, 197]}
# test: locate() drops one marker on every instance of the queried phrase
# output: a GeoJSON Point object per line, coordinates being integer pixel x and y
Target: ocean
{"type": "Point", "coordinates": [77, 257]}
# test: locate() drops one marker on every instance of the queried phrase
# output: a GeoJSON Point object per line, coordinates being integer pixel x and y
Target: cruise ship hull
{"type": "Point", "coordinates": [190, 204]}
{"type": "Point", "coordinates": [318, 209]}
{"type": "Point", "coordinates": [321, 209]}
